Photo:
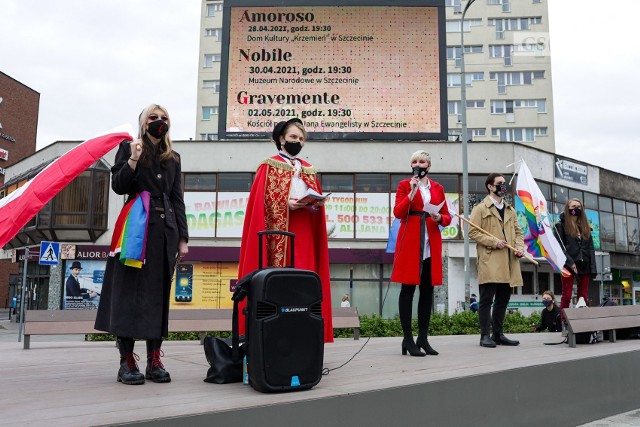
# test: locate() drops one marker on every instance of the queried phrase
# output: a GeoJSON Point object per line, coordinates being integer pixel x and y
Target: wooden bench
{"type": "Point", "coordinates": [601, 319]}
{"type": "Point", "coordinates": [347, 317]}
{"type": "Point", "coordinates": [62, 322]}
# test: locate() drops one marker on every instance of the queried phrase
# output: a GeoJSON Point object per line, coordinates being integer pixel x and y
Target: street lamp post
{"type": "Point", "coordinates": [465, 161]}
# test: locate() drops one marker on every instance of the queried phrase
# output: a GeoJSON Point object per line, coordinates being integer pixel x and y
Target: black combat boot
{"type": "Point", "coordinates": [155, 369]}
{"type": "Point", "coordinates": [128, 372]}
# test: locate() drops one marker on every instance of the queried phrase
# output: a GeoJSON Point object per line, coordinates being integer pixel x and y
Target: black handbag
{"type": "Point", "coordinates": [224, 368]}
{"type": "Point", "coordinates": [225, 359]}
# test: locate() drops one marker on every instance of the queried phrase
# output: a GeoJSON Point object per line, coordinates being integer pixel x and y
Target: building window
{"type": "Point", "coordinates": [454, 26]}
{"type": "Point", "coordinates": [453, 79]}
{"type": "Point", "coordinates": [207, 112]}
{"type": "Point", "coordinates": [518, 134]}
{"type": "Point", "coordinates": [372, 183]}
{"type": "Point", "coordinates": [210, 58]}
{"type": "Point", "coordinates": [504, 106]}
{"type": "Point", "coordinates": [199, 182]}
{"type": "Point", "coordinates": [235, 181]}
{"type": "Point", "coordinates": [456, 4]}
{"type": "Point", "coordinates": [605, 203]}
{"type": "Point", "coordinates": [211, 84]}
{"type": "Point", "coordinates": [513, 24]}
{"type": "Point", "coordinates": [591, 201]}
{"type": "Point", "coordinates": [502, 51]}
{"type": "Point", "coordinates": [209, 136]}
{"type": "Point", "coordinates": [455, 52]}
{"type": "Point", "coordinates": [337, 182]}
{"type": "Point", "coordinates": [212, 8]}
{"type": "Point", "coordinates": [514, 78]}
{"type": "Point", "coordinates": [619, 207]}
{"type": "Point", "coordinates": [632, 209]}
{"type": "Point", "coordinates": [213, 32]}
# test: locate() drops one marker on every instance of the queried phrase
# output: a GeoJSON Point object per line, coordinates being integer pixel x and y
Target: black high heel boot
{"type": "Point", "coordinates": [409, 345]}
{"type": "Point", "coordinates": [423, 342]}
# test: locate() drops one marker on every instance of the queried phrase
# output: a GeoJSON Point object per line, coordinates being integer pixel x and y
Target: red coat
{"type": "Point", "coordinates": [408, 256]}
{"type": "Point", "coordinates": [267, 209]}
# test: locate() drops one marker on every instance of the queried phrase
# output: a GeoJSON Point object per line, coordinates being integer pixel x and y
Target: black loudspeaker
{"type": "Point", "coordinates": [284, 330]}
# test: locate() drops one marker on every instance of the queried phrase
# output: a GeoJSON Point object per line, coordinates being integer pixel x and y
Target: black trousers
{"type": "Point", "coordinates": [499, 295]}
{"type": "Point", "coordinates": [425, 302]}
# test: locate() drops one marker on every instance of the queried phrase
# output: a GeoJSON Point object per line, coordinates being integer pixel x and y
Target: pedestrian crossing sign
{"type": "Point", "coordinates": [49, 253]}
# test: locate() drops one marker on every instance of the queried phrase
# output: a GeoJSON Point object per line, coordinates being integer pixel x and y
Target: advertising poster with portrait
{"type": "Point", "coordinates": [203, 285]}
{"type": "Point", "coordinates": [83, 284]}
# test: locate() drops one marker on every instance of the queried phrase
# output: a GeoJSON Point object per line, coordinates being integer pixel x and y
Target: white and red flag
{"type": "Point", "coordinates": [21, 205]}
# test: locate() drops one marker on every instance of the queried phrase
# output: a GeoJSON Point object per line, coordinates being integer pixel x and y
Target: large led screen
{"type": "Point", "coordinates": [349, 70]}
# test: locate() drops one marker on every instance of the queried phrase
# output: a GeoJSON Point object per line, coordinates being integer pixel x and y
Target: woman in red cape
{"type": "Point", "coordinates": [280, 181]}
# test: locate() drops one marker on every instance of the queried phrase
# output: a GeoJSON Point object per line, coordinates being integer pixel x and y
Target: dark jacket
{"type": "Point", "coordinates": [550, 320]}
{"type": "Point", "coordinates": [135, 301]}
{"type": "Point", "coordinates": [73, 288]}
{"type": "Point", "coordinates": [578, 251]}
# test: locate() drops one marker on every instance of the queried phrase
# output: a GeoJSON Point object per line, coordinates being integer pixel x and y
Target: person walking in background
{"type": "Point", "coordinates": [550, 315]}
{"type": "Point", "coordinates": [574, 234]}
{"type": "Point", "coordinates": [418, 256]}
{"type": "Point", "coordinates": [281, 181]}
{"type": "Point", "coordinates": [135, 301]}
{"type": "Point", "coordinates": [498, 266]}
{"type": "Point", "coordinates": [345, 301]}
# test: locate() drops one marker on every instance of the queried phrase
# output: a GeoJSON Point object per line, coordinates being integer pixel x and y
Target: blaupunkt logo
{"type": "Point", "coordinates": [294, 309]}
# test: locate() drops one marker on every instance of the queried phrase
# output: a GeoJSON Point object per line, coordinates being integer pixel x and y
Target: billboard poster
{"type": "Point", "coordinates": [83, 284]}
{"type": "Point", "coordinates": [348, 71]}
{"type": "Point", "coordinates": [205, 215]}
{"type": "Point", "coordinates": [203, 285]}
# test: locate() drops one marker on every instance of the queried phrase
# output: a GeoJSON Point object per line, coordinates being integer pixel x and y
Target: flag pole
{"type": "Point", "coordinates": [526, 255]}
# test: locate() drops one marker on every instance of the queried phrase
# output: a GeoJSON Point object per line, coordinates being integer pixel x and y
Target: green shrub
{"type": "Point", "coordinates": [459, 323]}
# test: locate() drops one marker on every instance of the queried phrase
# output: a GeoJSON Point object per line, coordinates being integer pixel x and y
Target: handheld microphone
{"type": "Point", "coordinates": [416, 173]}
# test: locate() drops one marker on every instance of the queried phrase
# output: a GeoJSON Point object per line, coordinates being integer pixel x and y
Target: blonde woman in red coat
{"type": "Point", "coordinates": [418, 256]}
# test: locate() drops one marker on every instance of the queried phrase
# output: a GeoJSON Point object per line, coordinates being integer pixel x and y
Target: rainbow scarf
{"type": "Point", "coordinates": [130, 233]}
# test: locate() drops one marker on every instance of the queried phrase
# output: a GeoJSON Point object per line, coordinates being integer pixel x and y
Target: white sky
{"type": "Point", "coordinates": [96, 64]}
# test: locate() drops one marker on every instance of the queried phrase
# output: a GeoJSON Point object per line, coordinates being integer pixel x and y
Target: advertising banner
{"type": "Point", "coordinates": [83, 284]}
{"type": "Point", "coordinates": [203, 285]}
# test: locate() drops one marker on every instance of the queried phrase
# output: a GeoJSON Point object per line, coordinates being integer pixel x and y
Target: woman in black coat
{"type": "Point", "coordinates": [135, 301]}
{"type": "Point", "coordinates": [574, 234]}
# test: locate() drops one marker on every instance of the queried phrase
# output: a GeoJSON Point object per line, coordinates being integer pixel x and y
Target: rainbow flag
{"type": "Point", "coordinates": [129, 238]}
{"type": "Point", "coordinates": [539, 237]}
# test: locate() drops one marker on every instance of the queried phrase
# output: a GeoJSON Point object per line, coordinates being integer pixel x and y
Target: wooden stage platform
{"type": "Point", "coordinates": [73, 383]}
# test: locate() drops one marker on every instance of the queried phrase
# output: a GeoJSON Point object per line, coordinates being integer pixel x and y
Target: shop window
{"type": "Point", "coordinates": [337, 182]}
{"type": "Point", "coordinates": [560, 194]}
{"type": "Point", "coordinates": [576, 194]}
{"type": "Point", "coordinates": [607, 234]}
{"type": "Point", "coordinates": [620, 232]}
{"type": "Point", "coordinates": [545, 189]}
{"type": "Point", "coordinates": [605, 203]}
{"type": "Point", "coordinates": [619, 207]}
{"type": "Point", "coordinates": [200, 182]}
{"type": "Point", "coordinates": [632, 235]}
{"type": "Point", "coordinates": [527, 279]}
{"type": "Point", "coordinates": [234, 181]}
{"type": "Point", "coordinates": [449, 182]}
{"type": "Point", "coordinates": [591, 201]}
{"type": "Point", "coordinates": [372, 183]}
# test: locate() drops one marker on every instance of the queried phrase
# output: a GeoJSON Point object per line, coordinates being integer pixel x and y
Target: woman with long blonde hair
{"type": "Point", "coordinates": [575, 238]}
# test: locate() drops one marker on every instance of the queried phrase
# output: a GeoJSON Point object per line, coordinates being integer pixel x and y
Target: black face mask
{"type": "Point", "coordinates": [158, 128]}
{"type": "Point", "coordinates": [547, 302]}
{"type": "Point", "coordinates": [575, 212]}
{"type": "Point", "coordinates": [292, 148]}
{"type": "Point", "coordinates": [500, 190]}
{"type": "Point", "coordinates": [420, 172]}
